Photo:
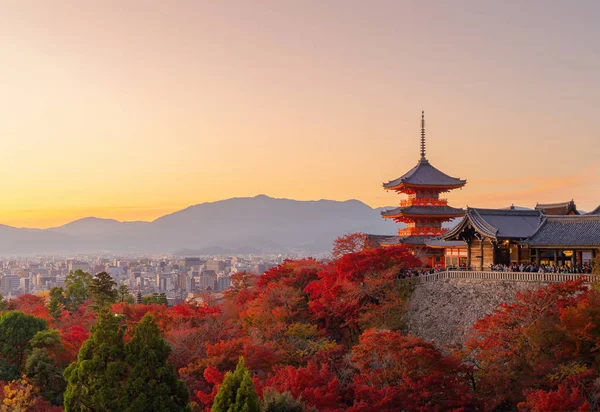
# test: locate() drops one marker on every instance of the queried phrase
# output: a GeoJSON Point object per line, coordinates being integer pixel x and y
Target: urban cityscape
{"type": "Point", "coordinates": [180, 279]}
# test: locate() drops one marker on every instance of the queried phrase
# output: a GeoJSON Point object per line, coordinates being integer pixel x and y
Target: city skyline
{"type": "Point", "coordinates": [117, 111]}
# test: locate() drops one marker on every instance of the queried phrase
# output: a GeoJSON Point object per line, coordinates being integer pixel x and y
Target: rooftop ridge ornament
{"type": "Point", "coordinates": [423, 135]}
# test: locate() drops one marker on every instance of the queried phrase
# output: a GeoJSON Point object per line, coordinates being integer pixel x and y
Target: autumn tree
{"type": "Point", "coordinates": [18, 396]}
{"type": "Point", "coordinates": [3, 304]}
{"type": "Point", "coordinates": [349, 243]}
{"type": "Point", "coordinates": [360, 291]}
{"type": "Point", "coordinates": [96, 381]}
{"type": "Point", "coordinates": [103, 291]}
{"type": "Point", "coordinates": [76, 289]}
{"type": "Point", "coordinates": [397, 372]}
{"type": "Point", "coordinates": [546, 340]}
{"type": "Point", "coordinates": [152, 384]}
{"type": "Point", "coordinates": [237, 392]}
{"type": "Point", "coordinates": [16, 330]}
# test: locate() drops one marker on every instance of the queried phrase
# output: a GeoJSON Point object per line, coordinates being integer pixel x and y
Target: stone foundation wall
{"type": "Point", "coordinates": [444, 311]}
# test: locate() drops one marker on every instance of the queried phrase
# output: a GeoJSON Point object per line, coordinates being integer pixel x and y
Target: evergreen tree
{"type": "Point", "coordinates": [95, 382]}
{"type": "Point", "coordinates": [124, 295]}
{"type": "Point", "coordinates": [274, 401]}
{"type": "Point", "coordinates": [57, 302]}
{"type": "Point", "coordinates": [152, 384]}
{"type": "Point", "coordinates": [76, 289]}
{"type": "Point", "coordinates": [3, 304]}
{"type": "Point", "coordinates": [237, 393]}
{"type": "Point", "coordinates": [156, 299]}
{"type": "Point", "coordinates": [16, 330]}
{"type": "Point", "coordinates": [103, 291]}
{"type": "Point", "coordinates": [41, 368]}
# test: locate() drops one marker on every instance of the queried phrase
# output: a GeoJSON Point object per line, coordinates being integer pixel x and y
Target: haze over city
{"type": "Point", "coordinates": [132, 110]}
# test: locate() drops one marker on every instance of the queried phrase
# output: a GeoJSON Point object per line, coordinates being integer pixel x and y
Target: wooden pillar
{"type": "Point", "coordinates": [469, 254]}
{"type": "Point", "coordinates": [481, 251]}
{"type": "Point", "coordinates": [555, 257]}
{"type": "Point", "coordinates": [518, 253]}
{"type": "Point", "coordinates": [537, 256]}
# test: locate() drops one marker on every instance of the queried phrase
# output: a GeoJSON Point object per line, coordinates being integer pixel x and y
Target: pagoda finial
{"type": "Point", "coordinates": [423, 135]}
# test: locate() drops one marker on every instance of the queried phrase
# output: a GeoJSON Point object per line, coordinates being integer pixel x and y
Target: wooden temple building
{"type": "Point", "coordinates": [551, 233]}
{"type": "Point", "coordinates": [507, 236]}
{"type": "Point", "coordinates": [423, 211]}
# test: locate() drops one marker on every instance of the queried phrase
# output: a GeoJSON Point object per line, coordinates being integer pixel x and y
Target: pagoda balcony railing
{"type": "Point", "coordinates": [423, 201]}
{"type": "Point", "coordinates": [422, 231]}
{"type": "Point", "coordinates": [503, 276]}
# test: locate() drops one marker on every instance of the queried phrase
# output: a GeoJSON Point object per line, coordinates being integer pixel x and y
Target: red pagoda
{"type": "Point", "coordinates": [423, 211]}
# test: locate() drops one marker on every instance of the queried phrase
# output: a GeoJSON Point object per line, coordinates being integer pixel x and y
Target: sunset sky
{"type": "Point", "coordinates": [133, 109]}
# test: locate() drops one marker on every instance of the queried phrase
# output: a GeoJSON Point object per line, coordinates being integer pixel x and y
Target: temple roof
{"type": "Point", "coordinates": [562, 208]}
{"type": "Point", "coordinates": [575, 231]}
{"type": "Point", "coordinates": [424, 174]}
{"type": "Point", "coordinates": [596, 211]}
{"type": "Point", "coordinates": [424, 210]}
{"type": "Point", "coordinates": [441, 243]}
{"type": "Point", "coordinates": [498, 223]}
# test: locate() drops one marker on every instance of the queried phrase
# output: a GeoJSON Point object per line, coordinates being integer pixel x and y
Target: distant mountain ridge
{"type": "Point", "coordinates": [254, 224]}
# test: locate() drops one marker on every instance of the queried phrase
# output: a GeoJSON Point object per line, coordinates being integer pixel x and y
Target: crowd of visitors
{"type": "Point", "coordinates": [531, 267]}
{"type": "Point", "coordinates": [522, 267]}
{"type": "Point", "coordinates": [414, 272]}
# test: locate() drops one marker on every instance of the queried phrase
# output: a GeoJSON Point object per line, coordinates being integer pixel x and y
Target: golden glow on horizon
{"type": "Point", "coordinates": [117, 113]}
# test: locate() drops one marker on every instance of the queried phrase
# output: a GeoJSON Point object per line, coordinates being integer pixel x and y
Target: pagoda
{"type": "Point", "coordinates": [423, 212]}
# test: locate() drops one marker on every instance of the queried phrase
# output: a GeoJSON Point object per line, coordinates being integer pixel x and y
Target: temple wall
{"type": "Point", "coordinates": [444, 311]}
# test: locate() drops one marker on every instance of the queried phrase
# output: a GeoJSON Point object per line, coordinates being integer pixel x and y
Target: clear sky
{"type": "Point", "coordinates": [133, 109]}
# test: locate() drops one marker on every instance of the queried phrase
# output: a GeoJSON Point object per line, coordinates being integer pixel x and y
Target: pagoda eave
{"type": "Point", "coordinates": [408, 188]}
{"type": "Point", "coordinates": [416, 217]}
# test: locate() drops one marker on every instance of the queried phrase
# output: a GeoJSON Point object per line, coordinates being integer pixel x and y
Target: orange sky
{"type": "Point", "coordinates": [131, 110]}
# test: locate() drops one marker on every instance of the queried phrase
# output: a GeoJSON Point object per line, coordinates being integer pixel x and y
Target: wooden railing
{"type": "Point", "coordinates": [507, 276]}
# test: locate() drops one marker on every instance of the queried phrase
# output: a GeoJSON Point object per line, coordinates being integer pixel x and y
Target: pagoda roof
{"type": "Point", "coordinates": [429, 241]}
{"type": "Point", "coordinates": [406, 240]}
{"type": "Point", "coordinates": [596, 211]}
{"type": "Point", "coordinates": [498, 223]}
{"type": "Point", "coordinates": [424, 211]}
{"type": "Point", "coordinates": [569, 231]}
{"type": "Point", "coordinates": [562, 208]}
{"type": "Point", "coordinates": [424, 174]}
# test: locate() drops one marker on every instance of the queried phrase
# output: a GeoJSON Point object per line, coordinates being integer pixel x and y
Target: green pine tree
{"type": "Point", "coordinates": [103, 291]}
{"type": "Point", "coordinates": [57, 302]}
{"type": "Point", "coordinates": [155, 299]}
{"type": "Point", "coordinates": [95, 382]}
{"type": "Point", "coordinates": [16, 330]}
{"type": "Point", "coordinates": [124, 294]}
{"type": "Point", "coordinates": [41, 368]}
{"type": "Point", "coordinates": [76, 289]}
{"type": "Point", "coordinates": [237, 393]}
{"type": "Point", "coordinates": [152, 384]}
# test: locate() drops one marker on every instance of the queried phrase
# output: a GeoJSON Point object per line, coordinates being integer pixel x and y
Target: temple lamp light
{"type": "Point", "coordinates": [568, 253]}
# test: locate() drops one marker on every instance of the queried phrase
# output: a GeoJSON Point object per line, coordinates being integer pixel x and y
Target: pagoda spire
{"type": "Point", "coordinates": [423, 135]}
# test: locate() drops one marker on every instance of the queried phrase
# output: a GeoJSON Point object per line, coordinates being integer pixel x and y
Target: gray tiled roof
{"type": "Point", "coordinates": [498, 223]}
{"type": "Point", "coordinates": [596, 211]}
{"type": "Point", "coordinates": [424, 210]}
{"type": "Point", "coordinates": [437, 242]}
{"type": "Point", "coordinates": [562, 208]}
{"type": "Point", "coordinates": [567, 231]}
{"type": "Point", "coordinates": [424, 174]}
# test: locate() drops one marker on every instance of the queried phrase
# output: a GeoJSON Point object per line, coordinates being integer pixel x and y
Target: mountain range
{"type": "Point", "coordinates": [238, 225]}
